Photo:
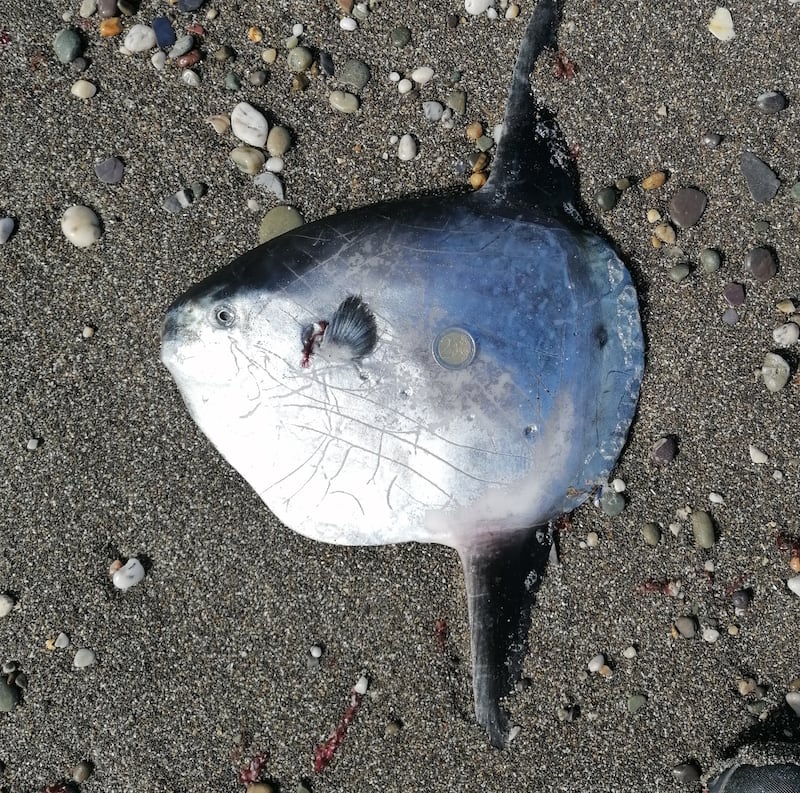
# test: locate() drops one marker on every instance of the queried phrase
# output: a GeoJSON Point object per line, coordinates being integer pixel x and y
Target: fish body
{"type": "Point", "coordinates": [458, 370]}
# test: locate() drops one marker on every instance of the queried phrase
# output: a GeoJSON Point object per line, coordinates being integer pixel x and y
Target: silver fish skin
{"type": "Point", "coordinates": [459, 370]}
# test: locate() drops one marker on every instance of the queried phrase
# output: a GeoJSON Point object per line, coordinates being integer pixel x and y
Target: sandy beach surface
{"type": "Point", "coordinates": [206, 662]}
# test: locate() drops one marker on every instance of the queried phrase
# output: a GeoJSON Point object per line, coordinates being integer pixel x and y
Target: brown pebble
{"type": "Point", "coordinates": [190, 59]}
{"type": "Point", "coordinates": [665, 233]}
{"type": "Point", "coordinates": [346, 6]}
{"type": "Point", "coordinates": [474, 130]}
{"type": "Point", "coordinates": [110, 27]}
{"type": "Point", "coordinates": [196, 29]}
{"type": "Point", "coordinates": [299, 83]}
{"type": "Point", "coordinates": [260, 787]}
{"type": "Point", "coordinates": [794, 563]}
{"type": "Point", "coordinates": [655, 180]}
{"type": "Point", "coordinates": [254, 34]}
{"type": "Point", "coordinates": [481, 161]}
{"type": "Point", "coordinates": [477, 180]}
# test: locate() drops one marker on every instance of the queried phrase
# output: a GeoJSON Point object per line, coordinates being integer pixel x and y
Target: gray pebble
{"type": "Point", "coordinates": [6, 229]}
{"type": "Point", "coordinates": [664, 450]}
{"type": "Point", "coordinates": [734, 294]}
{"type": "Point", "coordinates": [400, 36]}
{"type": "Point", "coordinates": [730, 316]}
{"type": "Point", "coordinates": [248, 159]}
{"type": "Point", "coordinates": [79, 65]}
{"type": "Point", "coordinates": [343, 101]}
{"type": "Point", "coordinates": [83, 658]}
{"type": "Point", "coordinates": [278, 141]}
{"type": "Point", "coordinates": [622, 184]}
{"type": "Point", "coordinates": [703, 529]}
{"type": "Point", "coordinates": [686, 626]}
{"type": "Point", "coordinates": [67, 45]}
{"type": "Point", "coordinates": [457, 101]}
{"type": "Point", "coordinates": [651, 533]}
{"type": "Point", "coordinates": [611, 502]}
{"type": "Point", "coordinates": [110, 170]}
{"type": "Point", "coordinates": [106, 8]}
{"type": "Point", "coordinates": [258, 78]}
{"type": "Point", "coordinates": [181, 47]}
{"type": "Point", "coordinates": [484, 143]}
{"type": "Point", "coordinates": [192, 79]}
{"type": "Point", "coordinates": [636, 702]}
{"type": "Point", "coordinates": [761, 264]}
{"type": "Point", "coordinates": [355, 73]}
{"type": "Point", "coordinates": [179, 200]}
{"type": "Point", "coordinates": [771, 102]}
{"type": "Point", "coordinates": [711, 139]}
{"type": "Point", "coordinates": [268, 181]}
{"type": "Point", "coordinates": [759, 177]}
{"type": "Point", "coordinates": [606, 198]}
{"type": "Point", "coordinates": [9, 696]}
{"type": "Point", "coordinates": [686, 772]}
{"type": "Point", "coordinates": [742, 598]}
{"type": "Point", "coordinates": [278, 221]}
{"type": "Point", "coordinates": [299, 59]}
{"type": "Point", "coordinates": [224, 53]}
{"type": "Point", "coordinates": [432, 110]}
{"type": "Point", "coordinates": [687, 206]}
{"type": "Point", "coordinates": [232, 81]}
{"type": "Point", "coordinates": [82, 771]}
{"type": "Point", "coordinates": [679, 272]}
{"type": "Point", "coordinates": [710, 260]}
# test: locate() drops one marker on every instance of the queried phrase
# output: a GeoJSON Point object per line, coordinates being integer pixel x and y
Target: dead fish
{"type": "Point", "coordinates": [459, 370]}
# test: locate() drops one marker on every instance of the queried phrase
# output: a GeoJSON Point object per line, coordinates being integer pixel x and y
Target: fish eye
{"type": "Point", "coordinates": [225, 316]}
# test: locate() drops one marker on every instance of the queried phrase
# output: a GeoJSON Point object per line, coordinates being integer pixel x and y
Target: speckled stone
{"type": "Point", "coordinates": [734, 294]}
{"type": "Point", "coordinates": [651, 534]}
{"type": "Point", "coordinates": [299, 59]}
{"type": "Point", "coordinates": [400, 36]}
{"type": "Point", "coordinates": [343, 101]}
{"type": "Point", "coordinates": [759, 178]}
{"type": "Point", "coordinates": [761, 264]}
{"type": "Point", "coordinates": [457, 101]}
{"type": "Point", "coordinates": [664, 450]}
{"type": "Point", "coordinates": [710, 260]}
{"type": "Point", "coordinates": [67, 45]}
{"type": "Point", "coordinates": [355, 73]}
{"type": "Point", "coordinates": [110, 170]}
{"type": "Point", "coordinates": [687, 206]}
{"type": "Point", "coordinates": [771, 102]}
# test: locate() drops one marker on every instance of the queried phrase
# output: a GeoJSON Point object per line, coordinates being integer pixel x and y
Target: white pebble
{"type": "Point", "coordinates": [191, 78]}
{"type": "Point", "coordinates": [491, 13]}
{"type": "Point", "coordinates": [708, 565]}
{"type": "Point", "coordinates": [253, 205]}
{"type": "Point", "coordinates": [715, 498]}
{"type": "Point", "coordinates": [721, 24]}
{"type": "Point", "coordinates": [596, 663]}
{"type": "Point", "coordinates": [140, 38]}
{"type": "Point", "coordinates": [130, 574]}
{"type": "Point", "coordinates": [777, 475]}
{"type": "Point", "coordinates": [394, 77]}
{"type": "Point", "coordinates": [393, 139]}
{"type": "Point", "coordinates": [212, 13]}
{"type": "Point", "coordinates": [476, 7]}
{"type": "Point", "coordinates": [88, 8]}
{"type": "Point", "coordinates": [6, 604]}
{"type": "Point", "coordinates": [592, 539]}
{"type": "Point", "coordinates": [274, 164]}
{"type": "Point", "coordinates": [629, 652]}
{"type": "Point", "coordinates": [710, 635]}
{"type": "Point", "coordinates": [793, 701]}
{"type": "Point", "coordinates": [514, 732]}
{"type": "Point", "coordinates": [62, 641]}
{"type": "Point", "coordinates": [786, 335]}
{"type": "Point", "coordinates": [407, 148]}
{"type": "Point", "coordinates": [775, 372]}
{"type": "Point", "coordinates": [6, 227]}
{"type": "Point", "coordinates": [268, 181]}
{"type": "Point", "coordinates": [297, 29]}
{"type": "Point", "coordinates": [794, 585]}
{"type": "Point", "coordinates": [757, 456]}
{"type": "Point", "coordinates": [32, 444]}
{"type": "Point", "coordinates": [249, 125]}
{"type": "Point", "coordinates": [361, 686]}
{"type": "Point", "coordinates": [316, 651]}
{"type": "Point", "coordinates": [404, 86]}
{"type": "Point", "coordinates": [422, 75]}
{"type": "Point", "coordinates": [80, 226]}
{"type": "Point", "coordinates": [159, 60]}
{"type": "Point", "coordinates": [348, 23]}
{"type": "Point", "coordinates": [83, 89]}
{"type": "Point", "coordinates": [618, 485]}
{"type": "Point", "coordinates": [83, 658]}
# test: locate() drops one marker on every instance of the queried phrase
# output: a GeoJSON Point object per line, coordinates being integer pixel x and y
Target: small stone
{"type": "Point", "coordinates": [730, 316]}
{"type": "Point", "coordinates": [33, 444]}
{"type": "Point", "coordinates": [654, 180]}
{"type": "Point", "coordinates": [6, 229]}
{"type": "Point", "coordinates": [786, 335]}
{"type": "Point", "coordinates": [392, 729]}
{"type": "Point", "coordinates": [741, 599]}
{"type": "Point", "coordinates": [793, 701]}
{"type": "Point", "coordinates": [711, 139]}
{"type": "Point", "coordinates": [774, 371]}
{"type": "Point", "coordinates": [67, 45]}
{"type": "Point", "coordinates": [794, 585]}
{"type": "Point", "coordinates": [422, 75]}
{"type": "Point", "coordinates": [630, 652]}
{"type": "Point", "coordinates": [140, 38]}
{"type": "Point", "coordinates": [110, 27]}
{"type": "Point", "coordinates": [232, 82]}
{"type": "Point", "coordinates": [130, 574]}
{"type": "Point", "coordinates": [107, 8]}
{"type": "Point", "coordinates": [734, 294]}
{"type": "Point", "coordinates": [83, 658]}
{"type": "Point", "coordinates": [477, 180]}
{"type": "Point", "coordinates": [299, 59]}
{"type": "Point", "coordinates": [703, 529]}
{"type": "Point", "coordinates": [268, 181]}
{"type": "Point", "coordinates": [9, 696]}
{"type": "Point", "coordinates": [178, 201]}
{"type": "Point", "coordinates": [651, 532]}
{"type": "Point", "coordinates": [759, 177]}
{"type": "Point", "coordinates": [62, 641]}
{"type": "Point", "coordinates": [355, 73]}
{"type": "Point", "coordinates": [326, 64]}
{"type": "Point", "coordinates": [687, 206]}
{"type": "Point", "coordinates": [83, 89]}
{"type": "Point", "coordinates": [400, 36]}
{"type": "Point", "coordinates": [457, 101]}
{"type": "Point", "coordinates": [710, 260]}
{"type": "Point", "coordinates": [665, 233]}
{"type": "Point", "coordinates": [274, 164]}
{"type": "Point", "coordinates": [771, 102]}
{"type": "Point", "coordinates": [82, 771]}
{"type": "Point", "coordinates": [128, 7]}
{"type": "Point", "coordinates": [257, 78]}
{"type": "Point", "coordinates": [220, 123]}
{"type": "Point", "coordinates": [484, 143]}
{"type": "Point", "coordinates": [664, 450]}
{"type": "Point", "coordinates": [686, 772]}
{"type": "Point", "coordinates": [249, 125]}
{"type": "Point", "coordinates": [165, 35]}
{"type": "Point", "coordinates": [348, 23]}
{"type": "Point", "coordinates": [606, 198]}
{"type": "Point", "coordinates": [190, 5]}
{"type": "Point", "coordinates": [278, 141]}
{"type": "Point", "coordinates": [757, 456]}
{"type": "Point", "coordinates": [181, 47]}
{"type": "Point", "coordinates": [6, 604]}
{"type": "Point", "coordinates": [596, 663]}
{"type": "Point", "coordinates": [686, 627]}
{"type": "Point", "coordinates": [343, 101]}
{"type": "Point", "coordinates": [248, 159]}
{"type": "Point", "coordinates": [477, 7]}
{"type": "Point", "coordinates": [88, 8]}
{"type": "Point", "coordinates": [721, 24]}
{"type": "Point", "coordinates": [255, 34]}
{"type": "Point", "coordinates": [407, 148]}
{"type": "Point", "coordinates": [278, 221]}
{"type": "Point", "coordinates": [190, 78]}
{"type": "Point", "coordinates": [611, 502]}
{"type": "Point", "coordinates": [636, 702]}
{"type": "Point", "coordinates": [80, 226]}
{"type": "Point", "coordinates": [592, 539]}
{"type": "Point", "coordinates": [786, 306]}
{"type": "Point", "coordinates": [316, 651]}
{"type": "Point", "coordinates": [270, 55]}
{"type": "Point", "coordinates": [110, 170]}
{"type": "Point", "coordinates": [159, 60]}
{"type": "Point", "coordinates": [432, 110]}
{"type": "Point", "coordinates": [653, 216]}
{"type": "Point", "coordinates": [679, 272]}
{"type": "Point", "coordinates": [761, 264]}
{"type": "Point", "coordinates": [361, 686]}
{"type": "Point", "coordinates": [192, 58]}
{"type": "Point", "coordinates": [711, 635]}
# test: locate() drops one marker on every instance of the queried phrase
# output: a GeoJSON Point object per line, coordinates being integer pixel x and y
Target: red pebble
{"type": "Point", "coordinates": [190, 59]}
{"type": "Point", "coordinates": [196, 29]}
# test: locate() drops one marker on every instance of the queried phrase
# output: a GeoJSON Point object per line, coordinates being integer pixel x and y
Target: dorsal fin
{"type": "Point", "coordinates": [533, 166]}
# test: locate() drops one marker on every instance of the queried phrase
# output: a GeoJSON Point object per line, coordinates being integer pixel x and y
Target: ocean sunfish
{"type": "Point", "coordinates": [459, 370]}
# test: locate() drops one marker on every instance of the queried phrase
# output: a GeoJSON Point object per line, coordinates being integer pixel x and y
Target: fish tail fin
{"type": "Point", "coordinates": [502, 577]}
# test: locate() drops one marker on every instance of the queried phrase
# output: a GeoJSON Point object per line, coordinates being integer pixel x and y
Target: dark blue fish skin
{"type": "Point", "coordinates": [389, 445]}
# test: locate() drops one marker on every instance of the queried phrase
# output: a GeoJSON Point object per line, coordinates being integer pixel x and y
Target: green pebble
{"type": "Point", "coordinates": [9, 696]}
{"type": "Point", "coordinates": [606, 198]}
{"type": "Point", "coordinates": [299, 59]}
{"type": "Point", "coordinates": [360, 12]}
{"type": "Point", "coordinates": [636, 702]}
{"type": "Point", "coordinates": [400, 37]}
{"type": "Point", "coordinates": [278, 221]}
{"type": "Point", "coordinates": [651, 533]}
{"type": "Point", "coordinates": [291, 42]}
{"type": "Point", "coordinates": [710, 260]}
{"type": "Point", "coordinates": [795, 191]}
{"type": "Point", "coordinates": [224, 53]}
{"type": "Point", "coordinates": [622, 184]}
{"type": "Point", "coordinates": [761, 227]}
{"type": "Point", "coordinates": [455, 77]}
{"type": "Point", "coordinates": [611, 502]}
{"type": "Point", "coordinates": [67, 45]}
{"type": "Point", "coordinates": [484, 143]}
{"type": "Point", "coordinates": [703, 529]}
{"type": "Point", "coordinates": [354, 73]}
{"type": "Point", "coordinates": [679, 272]}
{"type": "Point", "coordinates": [232, 81]}
{"type": "Point", "coordinates": [457, 101]}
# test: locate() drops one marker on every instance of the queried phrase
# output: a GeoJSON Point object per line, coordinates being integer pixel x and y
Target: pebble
{"type": "Point", "coordinates": [110, 170]}
{"type": "Point", "coordinates": [67, 45]}
{"type": "Point", "coordinates": [62, 641]}
{"type": "Point", "coordinates": [249, 125]}
{"type": "Point", "coordinates": [703, 529]}
{"type": "Point", "coordinates": [686, 627]}
{"type": "Point", "coordinates": [686, 207]}
{"type": "Point", "coordinates": [361, 686]}
{"type": "Point", "coordinates": [348, 23]}
{"type": "Point", "coordinates": [184, 197]}
{"type": "Point", "coordinates": [107, 8]}
{"type": "Point", "coordinates": [6, 229]}
{"type": "Point", "coordinates": [110, 27]}
{"type": "Point", "coordinates": [636, 702]}
{"type": "Point", "coordinates": [759, 177]}
{"type": "Point", "coordinates": [664, 450]}
{"type": "Point", "coordinates": [274, 164]}
{"type": "Point", "coordinates": [220, 123]}
{"type": "Point", "coordinates": [270, 55]}
{"type": "Point", "coordinates": [9, 696]}
{"type": "Point", "coordinates": [257, 78]}
{"type": "Point", "coordinates": [686, 772]}
{"type": "Point", "coordinates": [299, 59]}
{"type": "Point", "coordinates": [87, 8]}
{"type": "Point", "coordinates": [278, 141]}
{"type": "Point", "coordinates": [654, 180]}
{"type": "Point", "coordinates": [771, 102]}
{"type": "Point", "coordinates": [611, 502]}
{"type": "Point", "coordinates": [82, 771]}
{"type": "Point", "coordinates": [432, 110]}
{"type": "Point", "coordinates": [165, 35]}
{"type": "Point", "coordinates": [326, 64]}
{"type": "Point", "coordinates": [130, 574]}
{"type": "Point", "coordinates": [477, 7]}
{"type": "Point", "coordinates": [592, 539]}
{"type": "Point", "coordinates": [711, 635]}
{"type": "Point", "coordinates": [355, 73]}
{"type": "Point", "coordinates": [793, 701]}
{"type": "Point", "coordinates": [596, 663]}
{"type": "Point", "coordinates": [6, 604]}
{"type": "Point", "coordinates": [665, 233]}
{"type": "Point", "coordinates": [80, 226]}
{"type": "Point", "coordinates": [457, 101]}
{"type": "Point", "coordinates": [721, 24]}
{"type": "Point", "coordinates": [786, 335]}
{"type": "Point", "coordinates": [268, 181]}
{"type": "Point", "coordinates": [190, 5]}
{"type": "Point", "coordinates": [794, 585]}
{"type": "Point", "coordinates": [83, 89]}
{"type": "Point", "coordinates": [192, 58]}
{"type": "Point", "coordinates": [710, 260]}
{"type": "Point", "coordinates": [757, 456]}
{"type": "Point", "coordinates": [190, 78]}
{"type": "Point", "coordinates": [679, 272]}
{"type": "Point", "coordinates": [711, 139]}
{"type": "Point", "coordinates": [316, 651]}
{"type": "Point", "coordinates": [33, 444]}
{"type": "Point", "coordinates": [181, 47]}
{"type": "Point", "coordinates": [343, 101]}
{"type": "Point", "coordinates": [400, 36]}
{"type": "Point", "coordinates": [255, 34]}
{"type": "Point", "coordinates": [83, 658]}
{"type": "Point", "coordinates": [651, 532]}
{"type": "Point", "coordinates": [761, 264]}
{"type": "Point", "coordinates": [774, 371]}
{"type": "Point", "coordinates": [786, 306]}
{"type": "Point", "coordinates": [741, 599]}
{"type": "Point", "coordinates": [128, 7]}
{"type": "Point", "coordinates": [159, 60]}
{"type": "Point", "coordinates": [140, 38]}
{"type": "Point", "coordinates": [407, 148]}
{"type": "Point", "coordinates": [606, 198]}
{"type": "Point", "coordinates": [232, 82]}
{"type": "Point", "coordinates": [734, 294]}
{"type": "Point", "coordinates": [422, 75]}
{"type": "Point", "coordinates": [277, 221]}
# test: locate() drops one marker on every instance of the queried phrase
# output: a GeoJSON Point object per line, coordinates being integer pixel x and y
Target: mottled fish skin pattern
{"type": "Point", "coordinates": [456, 370]}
